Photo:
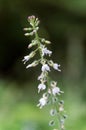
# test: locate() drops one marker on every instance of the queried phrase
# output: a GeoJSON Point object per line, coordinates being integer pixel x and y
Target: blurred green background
{"type": "Point", "coordinates": [63, 22]}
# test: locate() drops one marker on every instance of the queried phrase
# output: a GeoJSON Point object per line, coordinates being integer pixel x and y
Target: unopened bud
{"type": "Point", "coordinates": [33, 43]}
{"type": "Point", "coordinates": [30, 45]}
{"type": "Point", "coordinates": [27, 29]}
{"type": "Point", "coordinates": [37, 28]}
{"type": "Point", "coordinates": [37, 23]}
{"type": "Point", "coordinates": [42, 40]}
{"type": "Point", "coordinates": [33, 64]}
{"type": "Point", "coordinates": [27, 34]}
{"type": "Point", "coordinates": [32, 54]}
{"type": "Point", "coordinates": [47, 42]}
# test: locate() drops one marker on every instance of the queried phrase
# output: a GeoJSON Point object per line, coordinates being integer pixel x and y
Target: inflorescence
{"type": "Point", "coordinates": [52, 91]}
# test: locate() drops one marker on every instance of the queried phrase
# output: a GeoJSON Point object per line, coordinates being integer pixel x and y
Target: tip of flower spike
{"type": "Point", "coordinates": [52, 123]}
{"type": "Point", "coordinates": [31, 17]}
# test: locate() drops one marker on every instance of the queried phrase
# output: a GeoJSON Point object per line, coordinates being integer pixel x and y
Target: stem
{"type": "Point", "coordinates": [40, 51]}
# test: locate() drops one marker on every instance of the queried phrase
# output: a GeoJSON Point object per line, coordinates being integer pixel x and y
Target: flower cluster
{"type": "Point", "coordinates": [50, 87]}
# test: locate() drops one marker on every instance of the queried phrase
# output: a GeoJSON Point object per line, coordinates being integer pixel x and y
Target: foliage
{"type": "Point", "coordinates": [18, 113]}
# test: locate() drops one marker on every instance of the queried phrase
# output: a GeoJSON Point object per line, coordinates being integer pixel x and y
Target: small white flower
{"type": "Point", "coordinates": [27, 34]}
{"type": "Point", "coordinates": [55, 90]}
{"type": "Point", "coordinates": [45, 67]}
{"type": "Point", "coordinates": [56, 66]}
{"type": "Point", "coordinates": [42, 102]}
{"type": "Point", "coordinates": [45, 51]}
{"type": "Point", "coordinates": [26, 58]}
{"type": "Point", "coordinates": [41, 87]}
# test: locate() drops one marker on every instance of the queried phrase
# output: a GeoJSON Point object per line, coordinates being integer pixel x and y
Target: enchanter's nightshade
{"type": "Point", "coordinates": [50, 87]}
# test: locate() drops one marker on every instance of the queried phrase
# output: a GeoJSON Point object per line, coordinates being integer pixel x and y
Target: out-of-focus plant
{"type": "Point", "coordinates": [52, 92]}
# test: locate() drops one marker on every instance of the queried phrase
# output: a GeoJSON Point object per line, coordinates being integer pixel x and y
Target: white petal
{"type": "Point", "coordinates": [45, 67]}
{"type": "Point", "coordinates": [41, 87]}
{"type": "Point", "coordinates": [56, 66]}
{"type": "Point", "coordinates": [55, 90]}
{"type": "Point", "coordinates": [26, 58]}
{"type": "Point", "coordinates": [45, 51]}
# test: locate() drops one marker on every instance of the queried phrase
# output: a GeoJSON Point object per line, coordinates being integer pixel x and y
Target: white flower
{"type": "Point", "coordinates": [26, 58]}
{"type": "Point", "coordinates": [45, 51]}
{"type": "Point", "coordinates": [55, 90]}
{"type": "Point", "coordinates": [56, 66]}
{"type": "Point", "coordinates": [45, 67]}
{"type": "Point", "coordinates": [42, 101]}
{"type": "Point", "coordinates": [41, 87]}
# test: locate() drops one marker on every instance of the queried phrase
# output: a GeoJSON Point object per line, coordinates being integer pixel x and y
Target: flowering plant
{"type": "Point", "coordinates": [52, 91]}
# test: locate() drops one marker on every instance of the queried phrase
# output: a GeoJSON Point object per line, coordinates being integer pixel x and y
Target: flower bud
{"type": "Point", "coordinates": [42, 40]}
{"type": "Point", "coordinates": [31, 18]}
{"type": "Point", "coordinates": [27, 34]}
{"type": "Point", "coordinates": [47, 42]}
{"type": "Point", "coordinates": [37, 23]}
{"type": "Point", "coordinates": [33, 64]}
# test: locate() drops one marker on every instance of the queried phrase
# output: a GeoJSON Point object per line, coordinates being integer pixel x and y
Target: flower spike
{"type": "Point", "coordinates": [52, 91]}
